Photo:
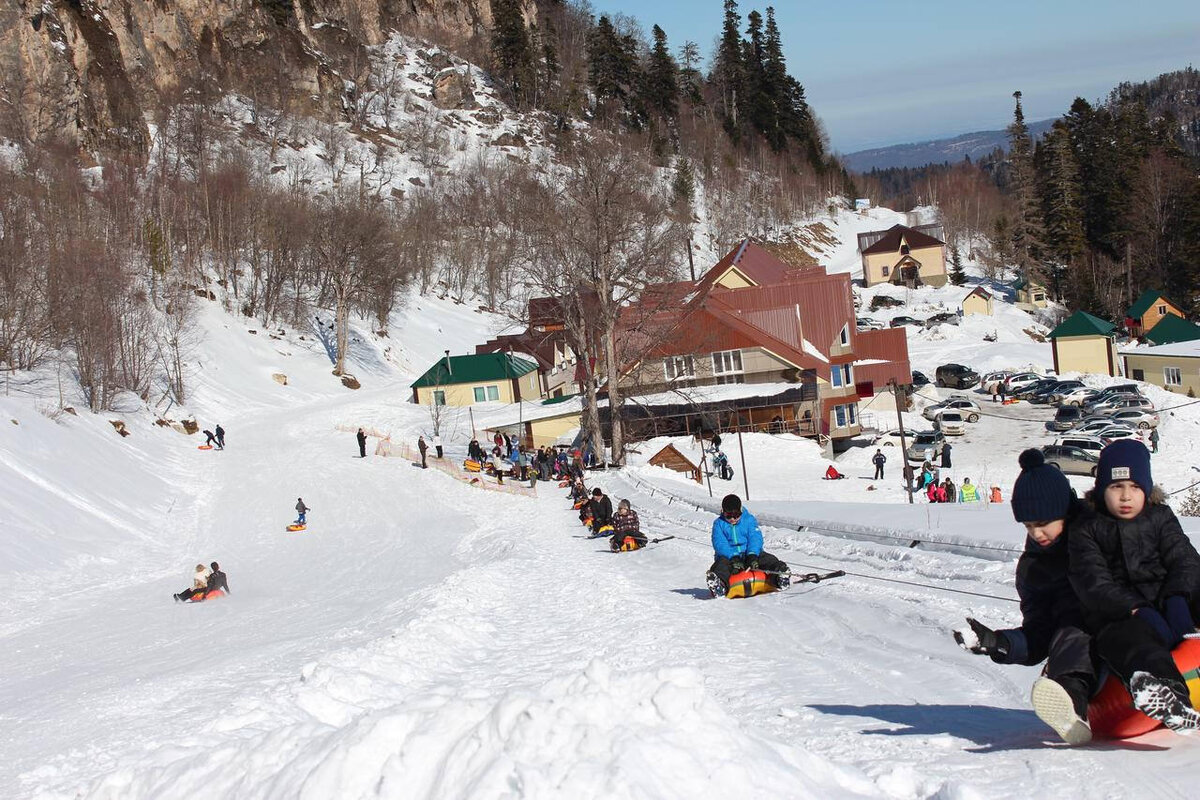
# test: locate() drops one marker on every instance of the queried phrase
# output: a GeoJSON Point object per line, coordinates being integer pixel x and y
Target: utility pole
{"type": "Point", "coordinates": [742, 450]}
{"type": "Point", "coordinates": [896, 395]}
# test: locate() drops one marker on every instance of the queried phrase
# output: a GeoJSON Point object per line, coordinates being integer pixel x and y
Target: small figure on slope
{"type": "Point", "coordinates": [217, 580]}
{"type": "Point", "coordinates": [220, 437]}
{"type": "Point", "coordinates": [600, 509]}
{"type": "Point", "coordinates": [199, 584]}
{"type": "Point", "coordinates": [879, 460]}
{"type": "Point", "coordinates": [737, 544]}
{"type": "Point", "coordinates": [362, 443]}
{"type": "Point", "coordinates": [209, 439]}
{"type": "Point", "coordinates": [626, 525]}
{"type": "Point", "coordinates": [1052, 623]}
{"type": "Point", "coordinates": [1138, 577]}
{"type": "Point", "coordinates": [301, 511]}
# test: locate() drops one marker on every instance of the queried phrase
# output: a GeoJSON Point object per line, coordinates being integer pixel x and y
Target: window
{"type": "Point", "coordinates": [679, 367]}
{"type": "Point", "coordinates": [842, 374]}
{"type": "Point", "coordinates": [853, 409]}
{"type": "Point", "coordinates": [1162, 311]}
{"type": "Point", "coordinates": [493, 392]}
{"type": "Point", "coordinates": [839, 413]}
{"type": "Point", "coordinates": [1171, 376]}
{"type": "Point", "coordinates": [486, 393]}
{"type": "Point", "coordinates": [480, 396]}
{"type": "Point", "coordinates": [439, 397]}
{"type": "Point", "coordinates": [1139, 375]}
{"type": "Point", "coordinates": [844, 337]}
{"type": "Point", "coordinates": [726, 362]}
{"type": "Point", "coordinates": [1039, 297]}
{"type": "Point", "coordinates": [904, 249]}
{"type": "Point", "coordinates": [886, 271]}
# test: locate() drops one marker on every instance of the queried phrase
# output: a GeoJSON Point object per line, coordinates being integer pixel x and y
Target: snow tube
{"type": "Point", "coordinates": [578, 504]}
{"type": "Point", "coordinates": [603, 530]}
{"type": "Point", "coordinates": [1111, 713]}
{"type": "Point", "coordinates": [750, 582]}
{"type": "Point", "coordinates": [204, 447]}
{"type": "Point", "coordinates": [200, 598]}
{"type": "Point", "coordinates": [627, 544]}
{"type": "Point", "coordinates": [471, 465]}
{"type": "Point", "coordinates": [296, 527]}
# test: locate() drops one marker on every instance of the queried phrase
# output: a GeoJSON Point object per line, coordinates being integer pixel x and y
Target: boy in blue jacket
{"type": "Point", "coordinates": [737, 542]}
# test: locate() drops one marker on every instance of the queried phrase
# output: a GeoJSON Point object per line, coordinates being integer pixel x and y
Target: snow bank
{"type": "Point", "coordinates": [594, 733]}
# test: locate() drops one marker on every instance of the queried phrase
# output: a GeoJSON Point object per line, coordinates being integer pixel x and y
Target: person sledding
{"type": "Point", "coordinates": [626, 526]}
{"type": "Point", "coordinates": [301, 512]}
{"type": "Point", "coordinates": [737, 544]}
{"type": "Point", "coordinates": [1052, 622]}
{"type": "Point", "coordinates": [1138, 578]}
{"type": "Point", "coordinates": [832, 474]}
{"type": "Point", "coordinates": [209, 439]}
{"type": "Point", "coordinates": [600, 510]}
{"type": "Point", "coordinates": [217, 580]}
{"type": "Point", "coordinates": [199, 585]}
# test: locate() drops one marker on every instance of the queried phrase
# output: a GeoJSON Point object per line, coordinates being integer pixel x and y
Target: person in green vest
{"type": "Point", "coordinates": [969, 493]}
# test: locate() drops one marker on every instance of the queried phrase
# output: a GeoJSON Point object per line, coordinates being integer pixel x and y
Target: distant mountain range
{"type": "Point", "coordinates": [936, 151]}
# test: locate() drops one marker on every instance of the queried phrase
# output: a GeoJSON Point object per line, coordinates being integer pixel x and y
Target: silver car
{"type": "Point", "coordinates": [927, 444]}
{"type": "Point", "coordinates": [1137, 417]}
{"type": "Point", "coordinates": [1071, 460]}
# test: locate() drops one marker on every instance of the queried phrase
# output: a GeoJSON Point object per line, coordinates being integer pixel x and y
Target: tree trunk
{"type": "Point", "coordinates": [343, 330]}
{"type": "Point", "coordinates": [614, 393]}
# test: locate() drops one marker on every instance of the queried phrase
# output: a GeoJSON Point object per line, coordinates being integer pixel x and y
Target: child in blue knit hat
{"type": "Point", "coordinates": [1138, 578]}
{"type": "Point", "coordinates": [1052, 625]}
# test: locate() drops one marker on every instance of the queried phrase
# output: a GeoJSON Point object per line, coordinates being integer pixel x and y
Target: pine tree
{"type": "Point", "coordinates": [1062, 205]}
{"type": "Point", "coordinates": [776, 84]}
{"type": "Point", "coordinates": [613, 73]}
{"type": "Point", "coordinates": [662, 79]}
{"type": "Point", "coordinates": [512, 55]}
{"type": "Point", "coordinates": [728, 72]}
{"type": "Point", "coordinates": [1026, 223]}
{"type": "Point", "coordinates": [958, 275]}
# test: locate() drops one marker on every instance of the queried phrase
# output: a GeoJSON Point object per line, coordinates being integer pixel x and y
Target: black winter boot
{"type": "Point", "coordinates": [715, 584]}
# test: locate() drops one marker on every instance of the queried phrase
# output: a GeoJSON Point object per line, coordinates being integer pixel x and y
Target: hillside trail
{"type": "Point", "coordinates": [424, 638]}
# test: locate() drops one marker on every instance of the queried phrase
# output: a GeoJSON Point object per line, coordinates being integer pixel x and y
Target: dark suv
{"type": "Point", "coordinates": [957, 376]}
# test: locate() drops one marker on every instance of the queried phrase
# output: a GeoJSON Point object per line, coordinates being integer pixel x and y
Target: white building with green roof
{"type": "Point", "coordinates": [482, 378]}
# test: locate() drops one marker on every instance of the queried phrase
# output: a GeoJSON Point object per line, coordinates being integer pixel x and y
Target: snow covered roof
{"type": "Point", "coordinates": [1189, 349]}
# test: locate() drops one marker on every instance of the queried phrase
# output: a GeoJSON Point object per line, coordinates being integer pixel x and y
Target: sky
{"type": "Point", "coordinates": [881, 72]}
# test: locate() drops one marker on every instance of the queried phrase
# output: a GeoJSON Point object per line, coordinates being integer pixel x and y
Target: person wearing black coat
{"type": "Point", "coordinates": [1138, 578]}
{"type": "Point", "coordinates": [1053, 626]}
{"type": "Point", "coordinates": [362, 443]}
{"type": "Point", "coordinates": [217, 580]}
{"type": "Point", "coordinates": [601, 509]}
{"type": "Point", "coordinates": [946, 455]}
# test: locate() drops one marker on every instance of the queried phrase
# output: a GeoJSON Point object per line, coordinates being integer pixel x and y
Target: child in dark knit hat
{"type": "Point", "coordinates": [1138, 578]}
{"type": "Point", "coordinates": [1052, 625]}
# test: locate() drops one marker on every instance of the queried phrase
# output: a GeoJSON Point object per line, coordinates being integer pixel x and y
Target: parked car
{"type": "Point", "coordinates": [1137, 417]}
{"type": "Point", "coordinates": [892, 438]}
{"type": "Point", "coordinates": [1121, 388]}
{"type": "Point", "coordinates": [989, 381]}
{"type": "Point", "coordinates": [1117, 432]}
{"type": "Point", "coordinates": [1090, 444]}
{"type": "Point", "coordinates": [925, 442]}
{"type": "Point", "coordinates": [1028, 391]}
{"type": "Point", "coordinates": [1066, 418]}
{"type": "Point", "coordinates": [1014, 383]}
{"type": "Point", "coordinates": [1116, 402]}
{"type": "Point", "coordinates": [956, 376]}
{"type": "Point", "coordinates": [920, 378]}
{"type": "Point", "coordinates": [964, 405]}
{"type": "Point", "coordinates": [1047, 394]}
{"type": "Point", "coordinates": [1071, 460]}
{"type": "Point", "coordinates": [945, 318]}
{"type": "Point", "coordinates": [865, 324]}
{"type": "Point", "coordinates": [1076, 397]}
{"type": "Point", "coordinates": [1092, 427]}
{"type": "Point", "coordinates": [904, 320]}
{"type": "Point", "coordinates": [884, 301]}
{"type": "Point", "coordinates": [950, 422]}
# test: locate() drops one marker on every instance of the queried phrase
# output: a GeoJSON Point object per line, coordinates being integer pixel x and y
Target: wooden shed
{"type": "Point", "coordinates": [979, 301]}
{"type": "Point", "coordinates": [672, 459]}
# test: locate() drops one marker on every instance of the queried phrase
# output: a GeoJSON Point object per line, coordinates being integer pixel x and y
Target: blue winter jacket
{"type": "Point", "coordinates": [742, 538]}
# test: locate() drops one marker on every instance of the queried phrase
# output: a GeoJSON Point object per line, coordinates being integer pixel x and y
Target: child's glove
{"type": "Point", "coordinates": [737, 564]}
{"type": "Point", "coordinates": [1155, 620]}
{"type": "Point", "coordinates": [1179, 616]}
{"type": "Point", "coordinates": [751, 561]}
{"type": "Point", "coordinates": [982, 640]}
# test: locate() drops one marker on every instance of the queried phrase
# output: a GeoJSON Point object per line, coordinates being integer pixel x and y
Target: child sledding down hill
{"type": "Point", "coordinates": [1138, 578]}
{"type": "Point", "coordinates": [737, 544]}
{"type": "Point", "coordinates": [832, 474]}
{"type": "Point", "coordinates": [626, 525]}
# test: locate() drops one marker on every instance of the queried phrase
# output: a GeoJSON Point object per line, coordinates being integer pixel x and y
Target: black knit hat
{"type": "Point", "coordinates": [731, 504]}
{"type": "Point", "coordinates": [596, 492]}
{"type": "Point", "coordinates": [1125, 459]}
{"type": "Point", "coordinates": [1042, 493]}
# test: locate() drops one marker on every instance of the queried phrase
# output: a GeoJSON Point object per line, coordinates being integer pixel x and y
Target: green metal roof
{"type": "Point", "coordinates": [474, 369]}
{"type": "Point", "coordinates": [1143, 303]}
{"type": "Point", "coordinates": [1082, 323]}
{"type": "Point", "coordinates": [1172, 329]}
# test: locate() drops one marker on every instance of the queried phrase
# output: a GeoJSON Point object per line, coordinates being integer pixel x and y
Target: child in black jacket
{"type": "Point", "coordinates": [1138, 577]}
{"type": "Point", "coordinates": [1052, 621]}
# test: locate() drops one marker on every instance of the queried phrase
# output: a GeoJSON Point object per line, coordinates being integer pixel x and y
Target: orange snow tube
{"type": "Point", "coordinates": [295, 526]}
{"type": "Point", "coordinates": [471, 465]}
{"type": "Point", "coordinates": [204, 447]}
{"type": "Point", "coordinates": [1111, 713]}
{"type": "Point", "coordinates": [628, 544]}
{"type": "Point", "coordinates": [750, 582]}
{"type": "Point", "coordinates": [200, 598]}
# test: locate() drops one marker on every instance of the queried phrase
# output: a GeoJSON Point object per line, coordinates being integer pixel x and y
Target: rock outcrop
{"type": "Point", "coordinates": [97, 70]}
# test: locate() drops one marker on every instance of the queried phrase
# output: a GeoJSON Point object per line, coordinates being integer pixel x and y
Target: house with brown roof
{"type": "Point", "coordinates": [754, 319]}
{"type": "Point", "coordinates": [978, 301]}
{"type": "Point", "coordinates": [903, 255]}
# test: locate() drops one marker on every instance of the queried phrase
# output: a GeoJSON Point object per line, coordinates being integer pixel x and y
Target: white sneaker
{"type": "Point", "coordinates": [1054, 706]}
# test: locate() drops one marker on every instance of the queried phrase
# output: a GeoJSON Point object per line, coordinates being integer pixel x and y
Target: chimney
{"type": "Point", "coordinates": [449, 369]}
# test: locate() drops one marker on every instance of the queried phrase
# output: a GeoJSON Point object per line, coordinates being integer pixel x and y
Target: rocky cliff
{"type": "Point", "coordinates": [95, 70]}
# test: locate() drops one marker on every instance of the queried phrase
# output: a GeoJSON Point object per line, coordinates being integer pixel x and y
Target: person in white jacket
{"type": "Point", "coordinates": [199, 584]}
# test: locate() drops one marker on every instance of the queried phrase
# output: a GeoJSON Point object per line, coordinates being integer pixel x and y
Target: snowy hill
{"type": "Point", "coordinates": [426, 639]}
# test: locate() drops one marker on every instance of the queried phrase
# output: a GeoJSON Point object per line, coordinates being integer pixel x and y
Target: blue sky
{"type": "Point", "coordinates": [880, 72]}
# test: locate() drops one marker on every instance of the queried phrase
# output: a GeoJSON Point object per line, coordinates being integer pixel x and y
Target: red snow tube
{"type": "Point", "coordinates": [200, 598]}
{"type": "Point", "coordinates": [750, 582]}
{"type": "Point", "coordinates": [628, 544]}
{"type": "Point", "coordinates": [1111, 713]}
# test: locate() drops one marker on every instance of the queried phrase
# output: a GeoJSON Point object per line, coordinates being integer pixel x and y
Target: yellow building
{"type": "Point", "coordinates": [1174, 367]}
{"type": "Point", "coordinates": [1030, 293]}
{"type": "Point", "coordinates": [903, 255]}
{"type": "Point", "coordinates": [979, 301]}
{"type": "Point", "coordinates": [481, 378]}
{"type": "Point", "coordinates": [1085, 343]}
